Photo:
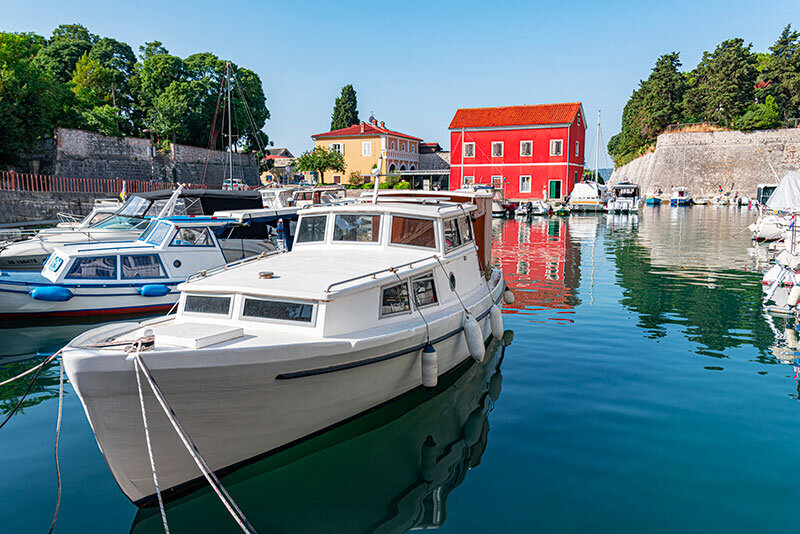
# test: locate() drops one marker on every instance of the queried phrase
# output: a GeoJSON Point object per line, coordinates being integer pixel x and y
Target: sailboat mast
{"type": "Point", "coordinates": [597, 151]}
{"type": "Point", "coordinates": [230, 128]}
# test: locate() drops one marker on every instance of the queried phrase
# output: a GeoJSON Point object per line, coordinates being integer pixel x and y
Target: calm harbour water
{"type": "Point", "coordinates": [640, 393]}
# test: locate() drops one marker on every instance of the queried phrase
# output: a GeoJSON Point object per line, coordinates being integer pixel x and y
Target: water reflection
{"type": "Point", "coordinates": [389, 471]}
{"type": "Point", "coordinates": [45, 387]}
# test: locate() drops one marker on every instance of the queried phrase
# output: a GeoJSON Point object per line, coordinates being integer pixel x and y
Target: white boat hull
{"type": "Point", "coordinates": [240, 405]}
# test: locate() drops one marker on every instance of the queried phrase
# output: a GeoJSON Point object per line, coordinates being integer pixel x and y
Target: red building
{"type": "Point", "coordinates": [529, 151]}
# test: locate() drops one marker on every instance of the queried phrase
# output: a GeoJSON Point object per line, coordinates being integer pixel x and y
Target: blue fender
{"type": "Point", "coordinates": [153, 290]}
{"type": "Point", "coordinates": [51, 293]}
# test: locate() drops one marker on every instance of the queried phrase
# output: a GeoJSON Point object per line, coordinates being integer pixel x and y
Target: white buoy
{"type": "Point", "coordinates": [794, 296]}
{"type": "Point", "coordinates": [430, 367]}
{"type": "Point", "coordinates": [496, 320]}
{"type": "Point", "coordinates": [508, 296]}
{"type": "Point", "coordinates": [474, 336]}
{"type": "Point", "coordinates": [791, 338]}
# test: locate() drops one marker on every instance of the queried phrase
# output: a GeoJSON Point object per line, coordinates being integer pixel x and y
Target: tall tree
{"type": "Point", "coordinates": [662, 103]}
{"type": "Point", "coordinates": [153, 48]}
{"type": "Point", "coordinates": [782, 72]}
{"type": "Point", "coordinates": [28, 100]}
{"type": "Point", "coordinates": [320, 160]}
{"type": "Point", "coordinates": [345, 109]}
{"type": "Point", "coordinates": [723, 84]}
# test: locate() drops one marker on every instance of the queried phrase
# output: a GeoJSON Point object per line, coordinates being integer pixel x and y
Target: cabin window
{"type": "Point", "coordinates": [207, 304]}
{"type": "Point", "coordinates": [157, 234]}
{"type": "Point", "coordinates": [103, 267]}
{"type": "Point", "coordinates": [524, 184]}
{"type": "Point", "coordinates": [142, 266]}
{"type": "Point", "coordinates": [55, 263]}
{"type": "Point", "coordinates": [465, 227]}
{"type": "Point", "coordinates": [452, 237]}
{"type": "Point", "coordinates": [312, 229]}
{"type": "Point", "coordinates": [413, 232]}
{"type": "Point", "coordinates": [469, 150]}
{"type": "Point", "coordinates": [556, 147]}
{"type": "Point", "coordinates": [192, 237]}
{"type": "Point", "coordinates": [279, 310]}
{"type": "Point", "coordinates": [361, 228]}
{"type": "Point", "coordinates": [424, 291]}
{"type": "Point", "coordinates": [525, 148]}
{"type": "Point", "coordinates": [394, 299]}
{"type": "Point", "coordinates": [497, 149]}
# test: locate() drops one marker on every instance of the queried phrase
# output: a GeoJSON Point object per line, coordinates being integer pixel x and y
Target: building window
{"type": "Point", "coordinates": [469, 150]}
{"type": "Point", "coordinates": [526, 148]}
{"type": "Point", "coordinates": [468, 180]}
{"type": "Point", "coordinates": [394, 145]}
{"type": "Point", "coordinates": [497, 182]}
{"type": "Point", "coordinates": [497, 149]}
{"type": "Point", "coordinates": [579, 119]}
{"type": "Point", "coordinates": [337, 178]}
{"type": "Point", "coordinates": [577, 148]}
{"type": "Point", "coordinates": [524, 184]}
{"type": "Point", "coordinates": [403, 147]}
{"type": "Point", "coordinates": [366, 148]}
{"type": "Point", "coordinates": [556, 147]}
{"type": "Point", "coordinates": [555, 189]}
{"type": "Point", "coordinates": [576, 178]}
{"type": "Point", "coordinates": [337, 147]}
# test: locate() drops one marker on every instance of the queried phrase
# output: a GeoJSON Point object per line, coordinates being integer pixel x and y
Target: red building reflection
{"type": "Point", "coordinates": [540, 263]}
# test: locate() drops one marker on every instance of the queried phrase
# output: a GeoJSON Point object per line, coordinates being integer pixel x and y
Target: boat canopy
{"type": "Point", "coordinates": [786, 196]}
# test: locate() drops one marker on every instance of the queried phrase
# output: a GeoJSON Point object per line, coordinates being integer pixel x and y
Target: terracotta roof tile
{"type": "Point", "coordinates": [369, 130]}
{"type": "Point", "coordinates": [515, 115]}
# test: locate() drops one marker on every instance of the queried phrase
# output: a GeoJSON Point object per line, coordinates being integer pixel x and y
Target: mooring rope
{"type": "Point", "coordinates": [149, 446]}
{"type": "Point", "coordinates": [32, 369]}
{"type": "Point", "coordinates": [58, 433]}
{"type": "Point", "coordinates": [38, 368]}
{"type": "Point", "coordinates": [216, 485]}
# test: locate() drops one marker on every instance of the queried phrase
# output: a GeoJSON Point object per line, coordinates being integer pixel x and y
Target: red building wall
{"type": "Point", "coordinates": [540, 166]}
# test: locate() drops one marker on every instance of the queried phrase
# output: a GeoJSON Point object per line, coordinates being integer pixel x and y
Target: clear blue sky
{"type": "Point", "coordinates": [413, 63]}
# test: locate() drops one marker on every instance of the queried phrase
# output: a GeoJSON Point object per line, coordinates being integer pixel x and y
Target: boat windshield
{"type": "Point", "coordinates": [120, 222]}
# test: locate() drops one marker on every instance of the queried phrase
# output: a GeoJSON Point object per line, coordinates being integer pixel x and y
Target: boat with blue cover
{"type": "Point", "coordinates": [138, 277]}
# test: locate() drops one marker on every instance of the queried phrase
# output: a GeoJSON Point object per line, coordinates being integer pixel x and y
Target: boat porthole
{"type": "Point", "coordinates": [176, 263]}
{"type": "Point", "coordinates": [452, 282]}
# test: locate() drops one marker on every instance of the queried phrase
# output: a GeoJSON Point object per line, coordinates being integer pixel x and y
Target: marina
{"type": "Point", "coordinates": [527, 417]}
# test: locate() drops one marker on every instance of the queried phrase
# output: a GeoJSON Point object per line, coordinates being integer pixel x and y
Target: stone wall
{"type": "Point", "coordinates": [736, 161]}
{"type": "Point", "coordinates": [82, 154]}
{"type": "Point", "coordinates": [23, 206]}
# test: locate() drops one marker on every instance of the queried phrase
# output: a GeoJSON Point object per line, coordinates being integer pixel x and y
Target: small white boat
{"type": "Point", "coordinates": [534, 208]}
{"type": "Point", "coordinates": [126, 224]}
{"type": "Point", "coordinates": [274, 350]}
{"type": "Point", "coordinates": [626, 198]}
{"type": "Point", "coordinates": [103, 209]}
{"type": "Point", "coordinates": [777, 215]}
{"type": "Point", "coordinates": [680, 196]}
{"type": "Point", "coordinates": [588, 196]}
{"type": "Point", "coordinates": [702, 201]}
{"type": "Point", "coordinates": [137, 277]}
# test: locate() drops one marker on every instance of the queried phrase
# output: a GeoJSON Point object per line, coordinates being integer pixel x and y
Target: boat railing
{"type": "Point", "coordinates": [374, 274]}
{"type": "Point", "coordinates": [238, 263]}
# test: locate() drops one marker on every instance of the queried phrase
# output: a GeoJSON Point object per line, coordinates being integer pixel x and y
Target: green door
{"type": "Point", "coordinates": [555, 188]}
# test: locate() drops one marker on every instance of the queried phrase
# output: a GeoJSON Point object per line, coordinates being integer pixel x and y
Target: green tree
{"type": "Point", "coordinates": [320, 160]}
{"type": "Point", "coordinates": [723, 84]}
{"type": "Point", "coordinates": [153, 48]}
{"type": "Point", "coordinates": [662, 101]}
{"type": "Point", "coordinates": [60, 57]}
{"type": "Point", "coordinates": [28, 101]}
{"type": "Point", "coordinates": [760, 116]}
{"type": "Point", "coordinates": [345, 109]}
{"type": "Point", "coordinates": [781, 73]}
{"type": "Point", "coordinates": [73, 32]}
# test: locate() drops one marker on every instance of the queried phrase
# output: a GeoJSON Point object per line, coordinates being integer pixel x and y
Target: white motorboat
{"type": "Point", "coordinates": [137, 277]}
{"type": "Point", "coordinates": [680, 196]}
{"type": "Point", "coordinates": [588, 196]}
{"type": "Point", "coordinates": [282, 197]}
{"type": "Point", "coordinates": [103, 209]}
{"type": "Point", "coordinates": [777, 215]}
{"type": "Point", "coordinates": [626, 198]}
{"type": "Point", "coordinates": [126, 224]}
{"type": "Point", "coordinates": [534, 208]}
{"type": "Point", "coordinates": [375, 300]}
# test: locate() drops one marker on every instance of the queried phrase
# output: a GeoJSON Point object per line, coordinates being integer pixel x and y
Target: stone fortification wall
{"type": "Point", "coordinates": [23, 206]}
{"type": "Point", "coordinates": [736, 161]}
{"type": "Point", "coordinates": [87, 154]}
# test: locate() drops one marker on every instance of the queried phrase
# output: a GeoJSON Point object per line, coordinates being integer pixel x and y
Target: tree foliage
{"type": "Point", "coordinates": [345, 109]}
{"type": "Point", "coordinates": [320, 160]}
{"type": "Point", "coordinates": [77, 79]}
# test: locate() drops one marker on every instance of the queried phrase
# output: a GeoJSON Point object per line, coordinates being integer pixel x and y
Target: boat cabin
{"type": "Point", "coordinates": [626, 190]}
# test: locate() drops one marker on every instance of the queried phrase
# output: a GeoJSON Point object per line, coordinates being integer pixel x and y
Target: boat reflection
{"type": "Point", "coordinates": [388, 471]}
{"type": "Point", "coordinates": [540, 262]}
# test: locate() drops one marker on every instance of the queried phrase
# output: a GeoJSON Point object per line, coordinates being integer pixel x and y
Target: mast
{"type": "Point", "coordinates": [230, 128]}
{"type": "Point", "coordinates": [597, 151]}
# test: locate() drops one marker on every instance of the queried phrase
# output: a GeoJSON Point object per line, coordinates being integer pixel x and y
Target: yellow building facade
{"type": "Point", "coordinates": [362, 146]}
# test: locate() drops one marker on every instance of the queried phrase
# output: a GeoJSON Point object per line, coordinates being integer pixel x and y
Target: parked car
{"type": "Point", "coordinates": [235, 184]}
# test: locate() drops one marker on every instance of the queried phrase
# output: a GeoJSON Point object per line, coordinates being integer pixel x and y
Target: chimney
{"type": "Point", "coordinates": [383, 124]}
{"type": "Point", "coordinates": [362, 126]}
{"type": "Point", "coordinates": [374, 122]}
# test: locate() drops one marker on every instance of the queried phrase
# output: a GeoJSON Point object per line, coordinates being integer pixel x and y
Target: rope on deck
{"type": "Point", "coordinates": [218, 488]}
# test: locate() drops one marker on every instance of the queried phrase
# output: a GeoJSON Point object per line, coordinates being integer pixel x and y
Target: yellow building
{"type": "Point", "coordinates": [362, 145]}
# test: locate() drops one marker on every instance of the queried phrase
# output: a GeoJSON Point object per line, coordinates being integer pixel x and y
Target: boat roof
{"type": "Point", "coordinates": [265, 214]}
{"type": "Point", "coordinates": [401, 206]}
{"type": "Point", "coordinates": [200, 193]}
{"type": "Point", "coordinates": [298, 275]}
{"type": "Point", "coordinates": [624, 185]}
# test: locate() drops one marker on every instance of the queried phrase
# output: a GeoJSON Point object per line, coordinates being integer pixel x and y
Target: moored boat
{"type": "Point", "coordinates": [680, 196]}
{"type": "Point", "coordinates": [274, 350]}
{"type": "Point", "coordinates": [588, 196]}
{"type": "Point", "coordinates": [625, 199]}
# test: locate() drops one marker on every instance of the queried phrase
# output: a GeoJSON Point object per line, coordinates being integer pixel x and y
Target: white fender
{"type": "Point", "coordinates": [794, 296]}
{"type": "Point", "coordinates": [496, 320]}
{"type": "Point", "coordinates": [474, 336]}
{"type": "Point", "coordinates": [430, 367]}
